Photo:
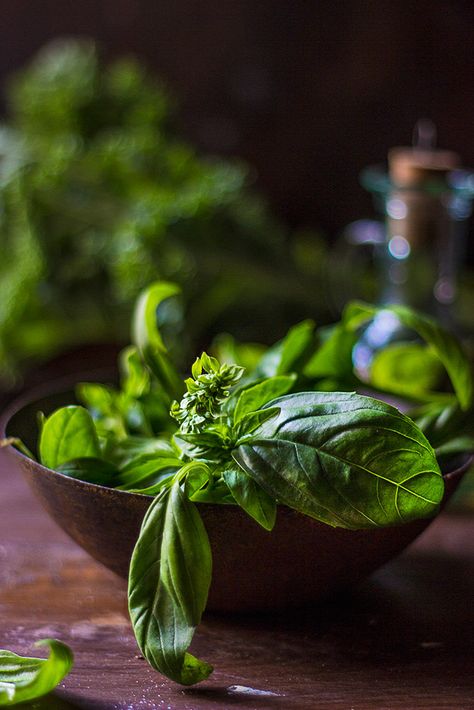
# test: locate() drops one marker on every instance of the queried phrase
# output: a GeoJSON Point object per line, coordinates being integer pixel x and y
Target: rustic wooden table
{"type": "Point", "coordinates": [403, 640]}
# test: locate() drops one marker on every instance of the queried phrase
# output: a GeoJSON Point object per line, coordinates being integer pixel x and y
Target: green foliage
{"type": "Point", "coordinates": [24, 679]}
{"type": "Point", "coordinates": [99, 196]}
{"type": "Point", "coordinates": [290, 432]}
{"type": "Point", "coordinates": [170, 574]}
{"type": "Point", "coordinates": [347, 460]}
{"type": "Point", "coordinates": [443, 347]}
{"type": "Point", "coordinates": [66, 435]}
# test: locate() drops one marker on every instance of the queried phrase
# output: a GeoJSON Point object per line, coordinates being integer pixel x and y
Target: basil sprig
{"type": "Point", "coordinates": [24, 679]}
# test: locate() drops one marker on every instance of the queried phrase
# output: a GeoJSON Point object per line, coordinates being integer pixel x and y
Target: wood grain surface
{"type": "Point", "coordinates": [403, 640]}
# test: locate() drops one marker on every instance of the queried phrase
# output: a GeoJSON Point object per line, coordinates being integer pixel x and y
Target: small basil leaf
{"type": "Point", "coordinates": [409, 369]}
{"type": "Point", "coordinates": [147, 337]}
{"type": "Point", "coordinates": [333, 358]}
{"type": "Point", "coordinates": [24, 679]}
{"type": "Point", "coordinates": [254, 397]}
{"type": "Point", "coordinates": [251, 497]}
{"type": "Point", "coordinates": [456, 445]}
{"type": "Point", "coordinates": [130, 448]}
{"type": "Point", "coordinates": [253, 420]}
{"type": "Point", "coordinates": [347, 460]}
{"type": "Point", "coordinates": [91, 470]}
{"type": "Point", "coordinates": [169, 580]}
{"type": "Point", "coordinates": [135, 378]}
{"type": "Point", "coordinates": [197, 474]}
{"type": "Point", "coordinates": [69, 433]}
{"type": "Point", "coordinates": [442, 425]}
{"type": "Point", "coordinates": [289, 354]}
{"type": "Point", "coordinates": [227, 349]}
{"type": "Point", "coordinates": [147, 470]}
{"type": "Point", "coordinates": [102, 402]}
{"type": "Point", "coordinates": [443, 344]}
{"type": "Point", "coordinates": [162, 482]}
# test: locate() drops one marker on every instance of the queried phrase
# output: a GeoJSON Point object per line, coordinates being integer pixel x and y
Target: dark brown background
{"type": "Point", "coordinates": [307, 91]}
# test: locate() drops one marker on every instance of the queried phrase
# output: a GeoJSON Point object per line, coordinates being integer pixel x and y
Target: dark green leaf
{"type": "Point", "coordinates": [69, 433]}
{"type": "Point", "coordinates": [170, 573]}
{"type": "Point", "coordinates": [254, 397]}
{"type": "Point", "coordinates": [148, 340]}
{"type": "Point", "coordinates": [98, 471]}
{"type": "Point", "coordinates": [348, 460]}
{"type": "Point", "coordinates": [251, 421]}
{"type": "Point", "coordinates": [290, 354]}
{"type": "Point", "coordinates": [148, 469]}
{"type": "Point", "coordinates": [333, 357]}
{"type": "Point", "coordinates": [446, 428]}
{"type": "Point", "coordinates": [130, 448]}
{"type": "Point", "coordinates": [251, 497]}
{"type": "Point", "coordinates": [24, 679]}
{"type": "Point", "coordinates": [456, 445]}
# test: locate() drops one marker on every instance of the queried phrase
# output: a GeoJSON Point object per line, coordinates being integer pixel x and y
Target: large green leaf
{"type": "Point", "coordinates": [147, 337]}
{"type": "Point", "coordinates": [98, 471]}
{"type": "Point", "coordinates": [169, 579]}
{"type": "Point", "coordinates": [444, 345]}
{"type": "Point", "coordinates": [345, 459]}
{"type": "Point", "coordinates": [24, 679]}
{"type": "Point", "coordinates": [68, 434]}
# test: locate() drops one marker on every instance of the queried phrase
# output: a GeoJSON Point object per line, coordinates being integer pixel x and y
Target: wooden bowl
{"type": "Point", "coordinates": [300, 562]}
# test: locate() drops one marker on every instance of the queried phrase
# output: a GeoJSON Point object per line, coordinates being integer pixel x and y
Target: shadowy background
{"type": "Point", "coordinates": [308, 92]}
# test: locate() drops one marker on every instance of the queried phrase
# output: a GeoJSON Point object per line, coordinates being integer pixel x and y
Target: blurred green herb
{"type": "Point", "coordinates": [99, 196]}
{"type": "Point", "coordinates": [24, 679]}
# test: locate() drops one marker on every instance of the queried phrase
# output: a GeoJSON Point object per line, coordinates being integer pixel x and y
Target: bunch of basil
{"type": "Point", "coordinates": [99, 195]}
{"type": "Point", "coordinates": [279, 427]}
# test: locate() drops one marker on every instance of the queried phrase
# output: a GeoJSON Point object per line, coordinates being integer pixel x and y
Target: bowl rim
{"type": "Point", "coordinates": [64, 384]}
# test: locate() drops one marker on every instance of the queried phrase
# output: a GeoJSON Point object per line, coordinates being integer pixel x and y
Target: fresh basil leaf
{"type": "Point", "coordinates": [444, 345]}
{"type": "Point", "coordinates": [347, 460]}
{"type": "Point", "coordinates": [69, 433]}
{"type": "Point", "coordinates": [251, 497]}
{"type": "Point", "coordinates": [333, 357]}
{"type": "Point", "coordinates": [254, 397]}
{"type": "Point", "coordinates": [251, 421]}
{"type": "Point", "coordinates": [197, 475]}
{"type": "Point", "coordinates": [147, 470]}
{"type": "Point", "coordinates": [169, 580]}
{"type": "Point", "coordinates": [209, 445]}
{"type": "Point", "coordinates": [289, 354]}
{"type": "Point", "coordinates": [227, 349]}
{"type": "Point", "coordinates": [408, 369]}
{"type": "Point", "coordinates": [91, 470]}
{"type": "Point", "coordinates": [456, 445]}
{"type": "Point", "coordinates": [149, 342]}
{"type": "Point", "coordinates": [102, 401]}
{"type": "Point", "coordinates": [24, 679]}
{"type": "Point", "coordinates": [130, 448]}
{"type": "Point", "coordinates": [135, 378]}
{"type": "Point", "coordinates": [443, 425]}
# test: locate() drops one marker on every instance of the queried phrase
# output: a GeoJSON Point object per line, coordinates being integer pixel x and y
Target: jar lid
{"type": "Point", "coordinates": [410, 167]}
